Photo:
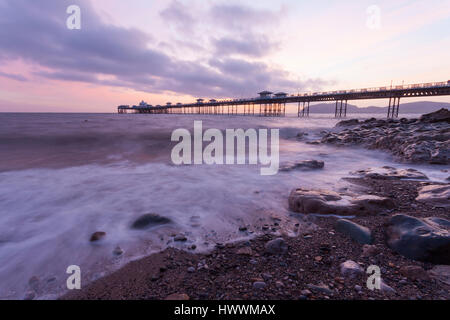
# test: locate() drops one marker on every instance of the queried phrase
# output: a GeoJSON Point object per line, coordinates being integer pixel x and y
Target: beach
{"type": "Point", "coordinates": [205, 228]}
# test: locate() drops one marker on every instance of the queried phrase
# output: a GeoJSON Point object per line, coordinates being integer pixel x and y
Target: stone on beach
{"type": "Point", "coordinates": [355, 231]}
{"type": "Point", "coordinates": [97, 236]}
{"type": "Point", "coordinates": [389, 173]}
{"type": "Point", "coordinates": [276, 246]}
{"type": "Point", "coordinates": [420, 239]}
{"type": "Point", "coordinates": [442, 115]}
{"type": "Point", "coordinates": [304, 165]}
{"type": "Point", "coordinates": [149, 220]}
{"type": "Point", "coordinates": [330, 202]}
{"type": "Point", "coordinates": [350, 269]}
{"type": "Point", "coordinates": [437, 195]}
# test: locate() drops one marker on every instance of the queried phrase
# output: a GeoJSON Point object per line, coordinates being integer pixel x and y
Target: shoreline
{"type": "Point", "coordinates": [310, 269]}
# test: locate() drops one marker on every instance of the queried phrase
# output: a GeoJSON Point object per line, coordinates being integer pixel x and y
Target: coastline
{"type": "Point", "coordinates": [309, 270]}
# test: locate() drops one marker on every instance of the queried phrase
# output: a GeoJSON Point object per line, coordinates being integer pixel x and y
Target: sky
{"type": "Point", "coordinates": [179, 50]}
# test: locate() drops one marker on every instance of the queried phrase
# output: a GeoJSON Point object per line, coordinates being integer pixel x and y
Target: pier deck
{"type": "Point", "coordinates": [275, 106]}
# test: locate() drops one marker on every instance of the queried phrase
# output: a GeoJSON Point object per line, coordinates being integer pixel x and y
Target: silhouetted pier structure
{"type": "Point", "coordinates": [269, 104]}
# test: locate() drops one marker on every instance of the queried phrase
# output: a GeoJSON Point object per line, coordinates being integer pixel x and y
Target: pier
{"type": "Point", "coordinates": [270, 104]}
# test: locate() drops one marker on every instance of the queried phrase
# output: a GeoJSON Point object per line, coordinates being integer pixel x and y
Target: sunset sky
{"type": "Point", "coordinates": [179, 50]}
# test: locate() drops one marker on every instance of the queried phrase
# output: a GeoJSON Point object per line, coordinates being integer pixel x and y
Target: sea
{"type": "Point", "coordinates": [66, 176]}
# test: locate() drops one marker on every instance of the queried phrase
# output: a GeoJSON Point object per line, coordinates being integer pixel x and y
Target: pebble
{"type": "Point", "coordinates": [358, 288]}
{"type": "Point", "coordinates": [259, 285]}
{"type": "Point", "coordinates": [191, 269]}
{"type": "Point", "coordinates": [118, 251]}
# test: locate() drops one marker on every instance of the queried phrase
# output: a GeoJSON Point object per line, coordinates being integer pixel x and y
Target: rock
{"type": "Point", "coordinates": [345, 123]}
{"type": "Point", "coordinates": [180, 238]}
{"type": "Point", "coordinates": [243, 228]}
{"type": "Point", "coordinates": [321, 288]}
{"type": "Point", "coordinates": [358, 288]}
{"type": "Point", "coordinates": [245, 251]}
{"type": "Point", "coordinates": [350, 269]}
{"type": "Point", "coordinates": [329, 202]}
{"type": "Point", "coordinates": [420, 239]}
{"type": "Point", "coordinates": [355, 231]}
{"type": "Point", "coordinates": [306, 292]}
{"type": "Point", "coordinates": [435, 194]}
{"type": "Point", "coordinates": [414, 273]}
{"type": "Point", "coordinates": [259, 285]}
{"type": "Point", "coordinates": [149, 220]}
{"type": "Point", "coordinates": [276, 246]}
{"type": "Point", "coordinates": [191, 269]}
{"type": "Point", "coordinates": [97, 236]}
{"type": "Point", "coordinates": [385, 288]}
{"type": "Point", "coordinates": [177, 297]}
{"type": "Point", "coordinates": [441, 273]}
{"type": "Point", "coordinates": [305, 164]}
{"type": "Point", "coordinates": [389, 173]}
{"type": "Point", "coordinates": [442, 115]}
{"type": "Point", "coordinates": [279, 284]}
{"type": "Point", "coordinates": [370, 250]}
{"type": "Point", "coordinates": [426, 141]}
{"type": "Point", "coordinates": [118, 251]}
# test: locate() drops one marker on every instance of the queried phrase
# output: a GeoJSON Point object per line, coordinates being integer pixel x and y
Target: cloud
{"type": "Point", "coordinates": [106, 54]}
{"type": "Point", "coordinates": [16, 77]}
{"type": "Point", "coordinates": [251, 45]}
{"type": "Point", "coordinates": [240, 17]}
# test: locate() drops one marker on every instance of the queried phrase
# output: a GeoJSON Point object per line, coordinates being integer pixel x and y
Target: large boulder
{"type": "Point", "coordinates": [435, 194]}
{"type": "Point", "coordinates": [329, 202]}
{"type": "Point", "coordinates": [442, 115]}
{"type": "Point", "coordinates": [355, 231]}
{"type": "Point", "coordinates": [420, 239]}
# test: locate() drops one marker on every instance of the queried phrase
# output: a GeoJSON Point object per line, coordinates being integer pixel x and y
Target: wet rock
{"type": "Point", "coordinates": [328, 202]}
{"type": "Point", "coordinates": [425, 141]}
{"type": "Point", "coordinates": [442, 115]}
{"type": "Point", "coordinates": [177, 296]}
{"type": "Point", "coordinates": [420, 239]}
{"type": "Point", "coordinates": [276, 246]}
{"type": "Point", "coordinates": [345, 123]}
{"type": "Point", "coordinates": [441, 273]}
{"type": "Point", "coordinates": [180, 238]}
{"type": "Point", "coordinates": [149, 220]}
{"type": "Point", "coordinates": [118, 251]}
{"type": "Point", "coordinates": [305, 164]}
{"type": "Point", "coordinates": [437, 195]}
{"type": "Point", "coordinates": [355, 231]}
{"type": "Point", "coordinates": [414, 273]}
{"type": "Point", "coordinates": [350, 269]}
{"type": "Point", "coordinates": [389, 173]}
{"type": "Point", "coordinates": [97, 236]}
